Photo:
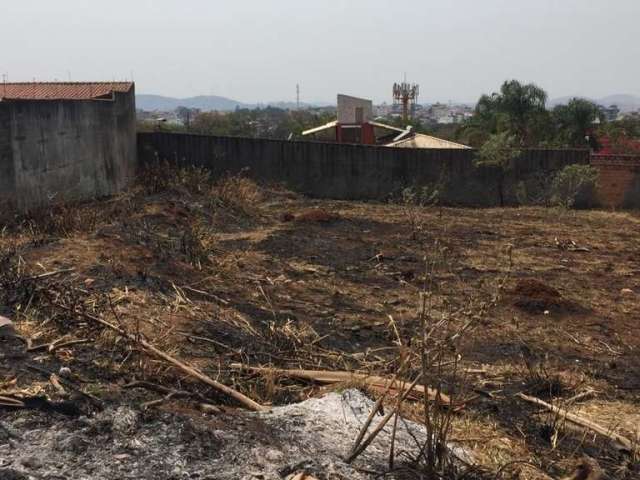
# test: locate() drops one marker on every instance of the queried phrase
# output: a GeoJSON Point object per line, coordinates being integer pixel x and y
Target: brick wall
{"type": "Point", "coordinates": [618, 180]}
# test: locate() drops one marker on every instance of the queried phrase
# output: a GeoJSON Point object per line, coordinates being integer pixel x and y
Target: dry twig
{"type": "Point", "coordinates": [580, 421]}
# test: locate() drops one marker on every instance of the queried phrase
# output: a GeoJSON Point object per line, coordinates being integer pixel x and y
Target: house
{"type": "Point", "coordinates": [420, 140]}
{"type": "Point", "coordinates": [65, 141]}
{"type": "Point", "coordinates": [354, 124]}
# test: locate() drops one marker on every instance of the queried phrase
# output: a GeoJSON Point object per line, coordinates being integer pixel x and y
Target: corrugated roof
{"type": "Point", "coordinates": [321, 128]}
{"type": "Point", "coordinates": [61, 90]}
{"type": "Point", "coordinates": [420, 140]}
{"type": "Point", "coordinates": [387, 127]}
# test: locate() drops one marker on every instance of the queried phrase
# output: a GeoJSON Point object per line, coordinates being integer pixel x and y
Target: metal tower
{"type": "Point", "coordinates": [406, 94]}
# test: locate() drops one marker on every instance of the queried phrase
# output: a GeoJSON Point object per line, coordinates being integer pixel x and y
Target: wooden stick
{"type": "Point", "coordinates": [11, 402]}
{"type": "Point", "coordinates": [326, 376]}
{"type": "Point", "coordinates": [186, 368]}
{"type": "Point", "coordinates": [583, 422]}
{"type": "Point", "coordinates": [206, 294]}
{"type": "Point", "coordinates": [372, 414]}
{"type": "Point", "coordinates": [55, 345]}
{"type": "Point", "coordinates": [51, 274]}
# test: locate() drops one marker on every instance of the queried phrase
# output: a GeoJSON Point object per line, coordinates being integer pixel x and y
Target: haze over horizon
{"type": "Point", "coordinates": [257, 51]}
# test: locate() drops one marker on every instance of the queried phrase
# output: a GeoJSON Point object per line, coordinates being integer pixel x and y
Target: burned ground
{"type": "Point", "coordinates": [260, 276]}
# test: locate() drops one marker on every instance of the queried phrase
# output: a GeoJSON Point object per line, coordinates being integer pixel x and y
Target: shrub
{"type": "Point", "coordinates": [574, 186]}
{"type": "Point", "coordinates": [238, 193]}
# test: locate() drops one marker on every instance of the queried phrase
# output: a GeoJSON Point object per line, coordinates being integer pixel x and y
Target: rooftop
{"type": "Point", "coordinates": [420, 140]}
{"type": "Point", "coordinates": [61, 90]}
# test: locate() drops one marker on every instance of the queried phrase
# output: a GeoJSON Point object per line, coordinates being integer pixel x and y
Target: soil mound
{"type": "Point", "coordinates": [536, 297]}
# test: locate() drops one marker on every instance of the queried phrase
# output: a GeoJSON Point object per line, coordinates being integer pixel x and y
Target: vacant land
{"type": "Point", "coordinates": [545, 302]}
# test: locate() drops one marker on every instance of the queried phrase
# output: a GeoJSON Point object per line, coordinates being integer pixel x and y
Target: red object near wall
{"type": "Point", "coordinates": [618, 177]}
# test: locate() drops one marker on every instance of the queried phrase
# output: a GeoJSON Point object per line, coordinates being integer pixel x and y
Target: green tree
{"type": "Point", "coordinates": [497, 154]}
{"type": "Point", "coordinates": [574, 121]}
{"type": "Point", "coordinates": [518, 109]}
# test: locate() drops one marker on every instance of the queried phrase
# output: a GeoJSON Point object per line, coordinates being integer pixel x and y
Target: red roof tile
{"type": "Point", "coordinates": [61, 91]}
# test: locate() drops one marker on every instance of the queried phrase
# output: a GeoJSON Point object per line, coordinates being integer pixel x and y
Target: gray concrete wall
{"type": "Point", "coordinates": [347, 106]}
{"type": "Point", "coordinates": [7, 175]}
{"type": "Point", "coordinates": [70, 150]}
{"type": "Point", "coordinates": [339, 171]}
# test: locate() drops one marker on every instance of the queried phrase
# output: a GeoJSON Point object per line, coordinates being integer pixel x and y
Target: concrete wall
{"type": "Point", "coordinates": [347, 109]}
{"type": "Point", "coordinates": [7, 174]}
{"type": "Point", "coordinates": [354, 171]}
{"type": "Point", "coordinates": [618, 180]}
{"type": "Point", "coordinates": [67, 150]}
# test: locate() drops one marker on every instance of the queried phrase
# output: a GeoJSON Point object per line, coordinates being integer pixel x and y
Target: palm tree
{"type": "Point", "coordinates": [575, 120]}
{"type": "Point", "coordinates": [517, 108]}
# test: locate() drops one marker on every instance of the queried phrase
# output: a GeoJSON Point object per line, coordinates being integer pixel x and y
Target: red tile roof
{"type": "Point", "coordinates": [61, 90]}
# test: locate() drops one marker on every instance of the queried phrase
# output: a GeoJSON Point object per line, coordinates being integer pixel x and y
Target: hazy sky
{"type": "Point", "coordinates": [257, 50]}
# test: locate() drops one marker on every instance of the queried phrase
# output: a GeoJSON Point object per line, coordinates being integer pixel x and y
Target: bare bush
{"type": "Point", "coordinates": [239, 193]}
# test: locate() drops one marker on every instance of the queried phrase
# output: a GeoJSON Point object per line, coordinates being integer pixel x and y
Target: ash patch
{"type": "Point", "coordinates": [312, 436]}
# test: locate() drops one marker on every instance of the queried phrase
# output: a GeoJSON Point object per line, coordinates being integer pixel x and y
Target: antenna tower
{"type": "Point", "coordinates": [298, 96]}
{"type": "Point", "coordinates": [406, 94]}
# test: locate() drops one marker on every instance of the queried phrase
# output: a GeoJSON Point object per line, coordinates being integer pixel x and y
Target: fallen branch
{"type": "Point", "coordinates": [374, 381]}
{"type": "Point", "coordinates": [11, 402]}
{"type": "Point", "coordinates": [583, 422]}
{"type": "Point", "coordinates": [51, 274]}
{"type": "Point", "coordinates": [208, 295]}
{"type": "Point", "coordinates": [55, 345]}
{"type": "Point", "coordinates": [184, 367]}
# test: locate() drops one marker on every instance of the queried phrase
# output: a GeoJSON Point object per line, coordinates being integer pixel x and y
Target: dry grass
{"type": "Point", "coordinates": [207, 270]}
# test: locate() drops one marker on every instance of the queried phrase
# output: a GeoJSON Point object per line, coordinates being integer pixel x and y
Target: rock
{"type": "Point", "coordinates": [626, 292]}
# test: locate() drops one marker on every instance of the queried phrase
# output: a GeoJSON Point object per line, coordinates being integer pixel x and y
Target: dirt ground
{"type": "Point", "coordinates": [261, 276]}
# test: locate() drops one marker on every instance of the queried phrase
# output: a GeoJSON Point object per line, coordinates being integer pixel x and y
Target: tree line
{"type": "Point", "coordinates": [517, 117]}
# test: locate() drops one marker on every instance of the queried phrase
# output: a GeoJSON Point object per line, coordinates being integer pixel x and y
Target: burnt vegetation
{"type": "Point", "coordinates": [244, 282]}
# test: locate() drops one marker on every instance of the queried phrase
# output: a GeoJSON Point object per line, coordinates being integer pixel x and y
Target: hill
{"type": "Point", "coordinates": [625, 102]}
{"type": "Point", "coordinates": [203, 102]}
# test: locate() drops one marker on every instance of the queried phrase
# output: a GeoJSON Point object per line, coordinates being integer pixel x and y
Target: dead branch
{"type": "Point", "coordinates": [376, 408]}
{"type": "Point", "coordinates": [374, 381]}
{"type": "Point", "coordinates": [580, 421]}
{"type": "Point", "coordinates": [580, 396]}
{"type": "Point", "coordinates": [186, 368]}
{"type": "Point", "coordinates": [208, 295]}
{"type": "Point", "coordinates": [11, 402]}
{"type": "Point", "coordinates": [57, 344]}
{"type": "Point", "coordinates": [207, 340]}
{"type": "Point", "coordinates": [51, 274]}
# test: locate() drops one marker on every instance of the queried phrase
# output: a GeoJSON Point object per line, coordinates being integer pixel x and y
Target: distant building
{"type": "Point", "coordinates": [65, 141]}
{"type": "Point", "coordinates": [354, 124]}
